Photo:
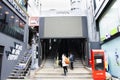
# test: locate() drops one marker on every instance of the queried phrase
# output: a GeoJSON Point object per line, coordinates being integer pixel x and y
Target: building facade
{"type": "Point", "coordinates": [89, 30]}
{"type": "Point", "coordinates": [13, 35]}
{"type": "Point", "coordinates": [107, 16]}
{"type": "Point", "coordinates": [34, 7]}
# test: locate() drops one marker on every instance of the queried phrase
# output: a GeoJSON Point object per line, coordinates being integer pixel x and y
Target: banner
{"type": "Point", "coordinates": [33, 21]}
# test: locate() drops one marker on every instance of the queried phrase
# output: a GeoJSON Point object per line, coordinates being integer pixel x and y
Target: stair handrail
{"type": "Point", "coordinates": [21, 71]}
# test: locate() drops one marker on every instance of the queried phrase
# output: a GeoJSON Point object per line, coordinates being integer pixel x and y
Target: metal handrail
{"type": "Point", "coordinates": [20, 71]}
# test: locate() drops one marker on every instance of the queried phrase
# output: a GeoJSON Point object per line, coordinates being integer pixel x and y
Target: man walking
{"type": "Point", "coordinates": [71, 60]}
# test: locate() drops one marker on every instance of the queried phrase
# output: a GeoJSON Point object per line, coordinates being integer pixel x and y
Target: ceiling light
{"type": "Point", "coordinates": [16, 20]}
{"type": "Point", "coordinates": [6, 12]}
{"type": "Point", "coordinates": [12, 17]}
{"type": "Point", "coordinates": [0, 6]}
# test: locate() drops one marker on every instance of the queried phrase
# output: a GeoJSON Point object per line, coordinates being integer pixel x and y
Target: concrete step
{"type": "Point", "coordinates": [57, 74]}
{"type": "Point", "coordinates": [61, 79]}
{"type": "Point", "coordinates": [48, 72]}
{"type": "Point", "coordinates": [62, 76]}
{"type": "Point", "coordinates": [56, 70]}
{"type": "Point", "coordinates": [50, 79]}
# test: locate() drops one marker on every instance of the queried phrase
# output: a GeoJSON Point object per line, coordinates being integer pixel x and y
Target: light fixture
{"type": "Point", "coordinates": [0, 6]}
{"type": "Point", "coordinates": [16, 20]}
{"type": "Point", "coordinates": [54, 40]}
{"type": "Point", "coordinates": [12, 17]}
{"type": "Point", "coordinates": [50, 47]}
{"type": "Point", "coordinates": [21, 23]}
{"type": "Point", "coordinates": [6, 12]}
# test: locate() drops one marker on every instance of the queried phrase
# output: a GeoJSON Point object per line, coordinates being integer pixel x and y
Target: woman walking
{"type": "Point", "coordinates": [64, 64]}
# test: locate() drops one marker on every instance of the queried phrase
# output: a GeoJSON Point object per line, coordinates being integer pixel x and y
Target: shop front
{"type": "Point", "coordinates": [13, 25]}
{"type": "Point", "coordinates": [109, 28]}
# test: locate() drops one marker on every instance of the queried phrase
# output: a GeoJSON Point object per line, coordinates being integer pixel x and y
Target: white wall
{"type": "Point", "coordinates": [33, 9]}
{"type": "Point", "coordinates": [112, 54]}
{"type": "Point", "coordinates": [93, 34]}
{"type": "Point", "coordinates": [55, 4]}
{"type": "Point", "coordinates": [63, 27]}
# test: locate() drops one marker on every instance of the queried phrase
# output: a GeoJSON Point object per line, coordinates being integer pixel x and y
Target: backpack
{"type": "Point", "coordinates": [67, 60]}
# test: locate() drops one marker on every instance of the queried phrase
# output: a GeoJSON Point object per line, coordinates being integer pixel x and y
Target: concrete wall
{"type": "Point", "coordinates": [7, 65]}
{"type": "Point", "coordinates": [84, 27]}
{"type": "Point", "coordinates": [63, 27]}
{"type": "Point", "coordinates": [100, 7]}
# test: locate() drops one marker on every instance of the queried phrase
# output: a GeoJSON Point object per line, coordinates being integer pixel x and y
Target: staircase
{"type": "Point", "coordinates": [21, 70]}
{"type": "Point", "coordinates": [48, 72]}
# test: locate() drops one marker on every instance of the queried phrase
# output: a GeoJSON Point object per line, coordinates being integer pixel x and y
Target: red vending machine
{"type": "Point", "coordinates": [97, 62]}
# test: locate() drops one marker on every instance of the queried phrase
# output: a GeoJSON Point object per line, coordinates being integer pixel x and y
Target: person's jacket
{"type": "Point", "coordinates": [63, 61]}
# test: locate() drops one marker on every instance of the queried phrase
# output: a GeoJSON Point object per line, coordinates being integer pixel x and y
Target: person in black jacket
{"type": "Point", "coordinates": [71, 61]}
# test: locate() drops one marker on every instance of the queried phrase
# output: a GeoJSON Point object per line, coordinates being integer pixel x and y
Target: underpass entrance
{"type": "Point", "coordinates": [55, 47]}
{"type": "Point", "coordinates": [58, 35]}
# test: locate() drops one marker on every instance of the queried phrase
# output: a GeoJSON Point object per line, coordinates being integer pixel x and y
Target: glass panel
{"type": "Point", "coordinates": [99, 62]}
{"type": "Point", "coordinates": [110, 20]}
{"type": "Point", "coordinates": [10, 23]}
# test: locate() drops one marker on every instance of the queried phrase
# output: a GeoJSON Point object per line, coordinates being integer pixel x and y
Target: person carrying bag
{"type": "Point", "coordinates": [65, 63]}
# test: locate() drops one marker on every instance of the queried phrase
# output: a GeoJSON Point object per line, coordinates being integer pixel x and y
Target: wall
{"type": "Point", "coordinates": [8, 42]}
{"type": "Point", "coordinates": [107, 17]}
{"type": "Point", "coordinates": [100, 5]}
{"type": "Point", "coordinates": [7, 65]}
{"type": "Point", "coordinates": [92, 31]}
{"type": "Point", "coordinates": [112, 53]}
{"type": "Point", "coordinates": [64, 27]}
{"type": "Point", "coordinates": [109, 21]}
{"type": "Point", "coordinates": [33, 8]}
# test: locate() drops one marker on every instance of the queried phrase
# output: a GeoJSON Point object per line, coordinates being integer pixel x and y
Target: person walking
{"type": "Point", "coordinates": [71, 61]}
{"type": "Point", "coordinates": [64, 64]}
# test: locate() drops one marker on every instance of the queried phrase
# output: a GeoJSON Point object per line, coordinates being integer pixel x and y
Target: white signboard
{"type": "Point", "coordinates": [33, 21]}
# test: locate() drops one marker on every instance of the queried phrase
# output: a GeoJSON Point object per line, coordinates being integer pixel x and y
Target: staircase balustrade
{"type": "Point", "coordinates": [21, 70]}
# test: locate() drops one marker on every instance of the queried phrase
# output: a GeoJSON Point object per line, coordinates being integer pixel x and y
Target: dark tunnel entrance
{"type": "Point", "coordinates": [55, 47]}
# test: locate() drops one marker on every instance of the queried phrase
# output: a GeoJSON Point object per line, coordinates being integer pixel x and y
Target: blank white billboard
{"type": "Point", "coordinates": [63, 27]}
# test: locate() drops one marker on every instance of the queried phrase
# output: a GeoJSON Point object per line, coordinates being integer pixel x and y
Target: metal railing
{"type": "Point", "coordinates": [22, 69]}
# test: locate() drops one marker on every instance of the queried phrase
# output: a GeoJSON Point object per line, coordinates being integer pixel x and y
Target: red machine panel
{"type": "Point", "coordinates": [97, 62]}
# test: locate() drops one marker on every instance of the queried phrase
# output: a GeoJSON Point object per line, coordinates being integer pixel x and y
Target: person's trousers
{"type": "Point", "coordinates": [65, 69]}
{"type": "Point", "coordinates": [71, 65]}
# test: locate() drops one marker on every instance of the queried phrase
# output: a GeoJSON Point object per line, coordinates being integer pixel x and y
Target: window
{"type": "Point", "coordinates": [110, 20]}
{"type": "Point", "coordinates": [99, 62]}
{"type": "Point", "coordinates": [10, 23]}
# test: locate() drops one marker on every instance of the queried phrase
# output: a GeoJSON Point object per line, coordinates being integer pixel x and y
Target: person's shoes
{"type": "Point", "coordinates": [65, 74]}
{"type": "Point", "coordinates": [66, 70]}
